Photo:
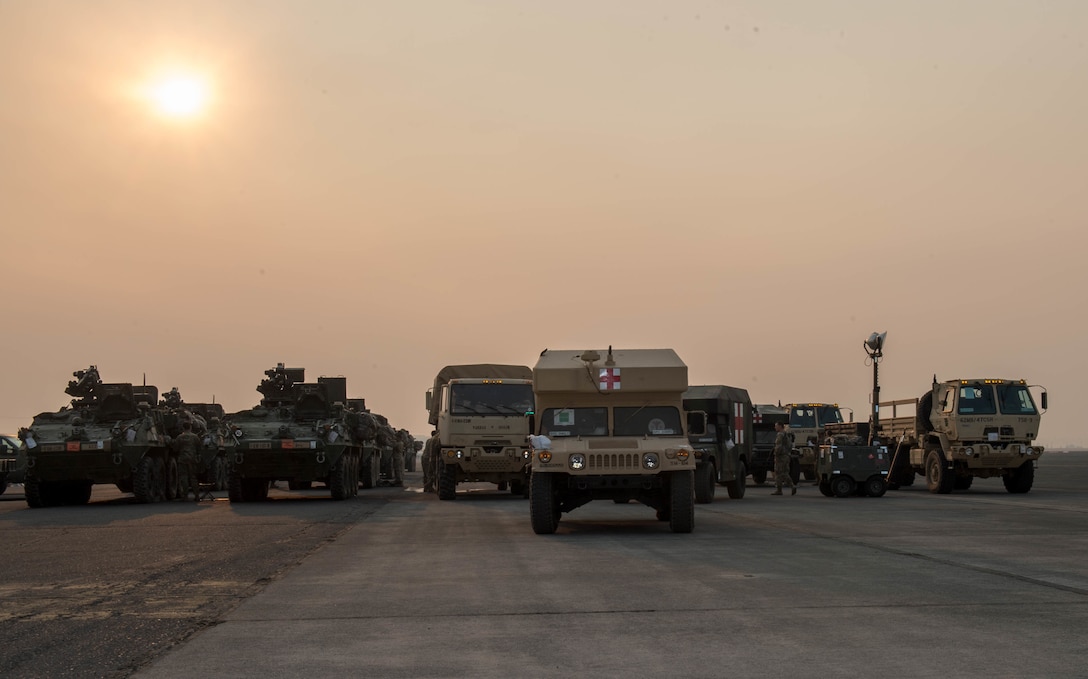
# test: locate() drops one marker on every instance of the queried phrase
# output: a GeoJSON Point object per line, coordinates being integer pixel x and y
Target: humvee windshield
{"type": "Point", "coordinates": [492, 399]}
{"type": "Point", "coordinates": [574, 422]}
{"type": "Point", "coordinates": [648, 421]}
{"type": "Point", "coordinates": [1015, 399]}
{"type": "Point", "coordinates": [976, 399]}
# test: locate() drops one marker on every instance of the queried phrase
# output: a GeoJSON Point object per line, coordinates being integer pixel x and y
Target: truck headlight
{"type": "Point", "coordinates": [968, 451]}
{"type": "Point", "coordinates": [682, 455]}
{"type": "Point", "coordinates": [577, 461]}
{"type": "Point", "coordinates": [650, 461]}
{"type": "Point", "coordinates": [544, 456]}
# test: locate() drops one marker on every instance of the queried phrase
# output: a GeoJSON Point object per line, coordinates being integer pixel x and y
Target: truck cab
{"type": "Point", "coordinates": [806, 423]}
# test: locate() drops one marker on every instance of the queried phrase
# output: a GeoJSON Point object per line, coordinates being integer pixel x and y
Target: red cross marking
{"type": "Point", "coordinates": [610, 378]}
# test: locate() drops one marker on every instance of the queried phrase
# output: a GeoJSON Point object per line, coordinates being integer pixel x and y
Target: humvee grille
{"type": "Point", "coordinates": [613, 461]}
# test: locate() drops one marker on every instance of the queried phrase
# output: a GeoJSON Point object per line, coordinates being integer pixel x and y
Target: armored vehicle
{"type": "Point", "coordinates": [722, 451]}
{"type": "Point", "coordinates": [111, 433]}
{"type": "Point", "coordinates": [852, 468]}
{"type": "Point", "coordinates": [761, 463]}
{"type": "Point", "coordinates": [301, 432]}
{"type": "Point", "coordinates": [480, 413]}
{"type": "Point", "coordinates": [611, 427]}
{"type": "Point", "coordinates": [807, 422]}
{"type": "Point", "coordinates": [962, 430]}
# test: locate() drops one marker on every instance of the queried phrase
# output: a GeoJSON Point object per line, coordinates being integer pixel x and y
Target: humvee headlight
{"type": "Point", "coordinates": [525, 453]}
{"type": "Point", "coordinates": [577, 461]}
{"type": "Point", "coordinates": [682, 455]}
{"type": "Point", "coordinates": [460, 454]}
{"type": "Point", "coordinates": [968, 451]}
{"type": "Point", "coordinates": [544, 456]}
{"type": "Point", "coordinates": [650, 461]}
{"type": "Point", "coordinates": [451, 453]}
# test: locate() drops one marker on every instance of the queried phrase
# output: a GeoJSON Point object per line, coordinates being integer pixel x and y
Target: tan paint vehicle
{"type": "Point", "coordinates": [962, 430]}
{"type": "Point", "coordinates": [610, 426]}
{"type": "Point", "coordinates": [807, 422]}
{"type": "Point", "coordinates": [480, 412]}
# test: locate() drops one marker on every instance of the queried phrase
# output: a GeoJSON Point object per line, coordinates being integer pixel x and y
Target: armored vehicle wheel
{"type": "Point", "coordinates": [543, 504]}
{"type": "Point", "coordinates": [173, 489]}
{"type": "Point", "coordinates": [875, 486]}
{"type": "Point", "coordinates": [759, 476]}
{"type": "Point", "coordinates": [681, 502]}
{"type": "Point", "coordinates": [368, 475]}
{"type": "Point", "coordinates": [37, 494]}
{"type": "Point", "coordinates": [149, 485]}
{"type": "Point", "coordinates": [843, 486]}
{"type": "Point", "coordinates": [1020, 479]}
{"type": "Point", "coordinates": [502, 485]}
{"type": "Point", "coordinates": [825, 488]}
{"type": "Point", "coordinates": [963, 482]}
{"type": "Point", "coordinates": [234, 487]}
{"type": "Point", "coordinates": [939, 477]}
{"type": "Point", "coordinates": [737, 486]}
{"type": "Point", "coordinates": [706, 477]}
{"type": "Point", "coordinates": [300, 485]}
{"type": "Point", "coordinates": [447, 483]}
{"type": "Point", "coordinates": [340, 480]}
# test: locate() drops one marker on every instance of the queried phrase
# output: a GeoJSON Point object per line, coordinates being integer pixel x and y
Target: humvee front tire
{"type": "Point", "coordinates": [705, 480]}
{"type": "Point", "coordinates": [1020, 479]}
{"type": "Point", "coordinates": [682, 502]}
{"type": "Point", "coordinates": [939, 478]}
{"type": "Point", "coordinates": [543, 507]}
{"type": "Point", "coordinates": [738, 485]}
{"type": "Point", "coordinates": [447, 482]}
{"type": "Point", "coordinates": [843, 486]}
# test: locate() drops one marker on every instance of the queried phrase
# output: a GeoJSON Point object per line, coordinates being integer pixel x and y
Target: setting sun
{"type": "Point", "coordinates": [180, 96]}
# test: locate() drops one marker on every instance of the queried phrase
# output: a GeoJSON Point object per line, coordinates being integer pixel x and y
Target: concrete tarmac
{"type": "Point", "coordinates": [979, 583]}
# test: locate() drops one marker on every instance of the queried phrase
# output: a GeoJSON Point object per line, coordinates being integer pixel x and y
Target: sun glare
{"type": "Point", "coordinates": [180, 96]}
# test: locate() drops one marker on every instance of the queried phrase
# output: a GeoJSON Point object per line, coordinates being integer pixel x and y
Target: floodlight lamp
{"type": "Point", "coordinates": [875, 343]}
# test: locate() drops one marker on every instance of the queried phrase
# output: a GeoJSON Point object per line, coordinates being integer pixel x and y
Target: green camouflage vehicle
{"type": "Point", "coordinates": [209, 422]}
{"type": "Point", "coordinates": [722, 452]}
{"type": "Point", "coordinates": [111, 433]}
{"type": "Point", "coordinates": [300, 433]}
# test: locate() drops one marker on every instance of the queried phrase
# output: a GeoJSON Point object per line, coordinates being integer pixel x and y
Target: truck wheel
{"type": "Point", "coordinates": [875, 486]}
{"type": "Point", "coordinates": [682, 502]}
{"type": "Point", "coordinates": [825, 488]}
{"type": "Point", "coordinates": [738, 485]}
{"type": "Point", "coordinates": [843, 486]}
{"type": "Point", "coordinates": [35, 498]}
{"type": "Point", "coordinates": [759, 476]}
{"type": "Point", "coordinates": [368, 476]}
{"type": "Point", "coordinates": [1019, 480]}
{"type": "Point", "coordinates": [149, 485]}
{"type": "Point", "coordinates": [705, 480]}
{"type": "Point", "coordinates": [172, 489]}
{"type": "Point", "coordinates": [517, 488]}
{"type": "Point", "coordinates": [447, 482]}
{"type": "Point", "coordinates": [938, 477]}
{"type": "Point", "coordinates": [543, 505]}
{"type": "Point", "coordinates": [339, 478]}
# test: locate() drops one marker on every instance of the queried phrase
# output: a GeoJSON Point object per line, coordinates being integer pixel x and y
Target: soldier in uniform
{"type": "Point", "coordinates": [782, 449]}
{"type": "Point", "coordinates": [187, 446]}
{"type": "Point", "coordinates": [398, 458]}
{"type": "Point", "coordinates": [429, 450]}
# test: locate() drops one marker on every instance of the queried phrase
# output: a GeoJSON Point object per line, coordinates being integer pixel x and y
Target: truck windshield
{"type": "Point", "coordinates": [648, 421]}
{"type": "Point", "coordinates": [1015, 399]}
{"type": "Point", "coordinates": [802, 417]}
{"type": "Point", "coordinates": [828, 414]}
{"type": "Point", "coordinates": [574, 422]}
{"type": "Point", "coordinates": [977, 399]}
{"type": "Point", "coordinates": [491, 399]}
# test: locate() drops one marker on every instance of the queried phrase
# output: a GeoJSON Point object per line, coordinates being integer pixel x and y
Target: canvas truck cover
{"type": "Point", "coordinates": [714, 398]}
{"type": "Point", "coordinates": [475, 371]}
{"type": "Point", "coordinates": [628, 371]}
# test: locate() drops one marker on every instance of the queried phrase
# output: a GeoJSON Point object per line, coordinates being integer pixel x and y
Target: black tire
{"type": "Point", "coordinates": [410, 461]}
{"type": "Point", "coordinates": [759, 476]}
{"type": "Point", "coordinates": [35, 494]}
{"type": "Point", "coordinates": [682, 501]}
{"type": "Point", "coordinates": [149, 485]}
{"type": "Point", "coordinates": [842, 486]}
{"type": "Point", "coordinates": [939, 478]}
{"type": "Point", "coordinates": [921, 418]}
{"type": "Point", "coordinates": [963, 482]}
{"type": "Point", "coordinates": [447, 482]}
{"type": "Point", "coordinates": [543, 504]}
{"type": "Point", "coordinates": [300, 485]}
{"type": "Point", "coordinates": [875, 486]}
{"type": "Point", "coordinates": [369, 470]}
{"type": "Point", "coordinates": [340, 480]}
{"type": "Point", "coordinates": [825, 488]}
{"type": "Point", "coordinates": [706, 476]}
{"type": "Point", "coordinates": [737, 486]}
{"type": "Point", "coordinates": [172, 485]}
{"type": "Point", "coordinates": [1020, 479]}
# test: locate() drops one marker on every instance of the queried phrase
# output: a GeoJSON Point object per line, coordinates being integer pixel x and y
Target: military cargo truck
{"type": "Point", "coordinates": [761, 463]}
{"type": "Point", "coordinates": [301, 432]}
{"type": "Point", "coordinates": [722, 451]}
{"type": "Point", "coordinates": [611, 427]}
{"type": "Point", "coordinates": [111, 433]}
{"type": "Point", "coordinates": [807, 422]}
{"type": "Point", "coordinates": [964, 429]}
{"type": "Point", "coordinates": [480, 413]}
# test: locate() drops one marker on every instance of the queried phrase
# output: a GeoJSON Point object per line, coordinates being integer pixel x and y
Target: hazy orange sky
{"type": "Point", "coordinates": [378, 189]}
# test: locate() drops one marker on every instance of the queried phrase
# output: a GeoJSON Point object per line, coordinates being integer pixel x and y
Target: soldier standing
{"type": "Point", "coordinates": [782, 449]}
{"type": "Point", "coordinates": [429, 449]}
{"type": "Point", "coordinates": [187, 446]}
{"type": "Point", "coordinates": [398, 458]}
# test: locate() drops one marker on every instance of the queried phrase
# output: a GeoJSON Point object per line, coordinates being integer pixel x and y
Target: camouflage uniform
{"type": "Point", "coordinates": [430, 451]}
{"type": "Point", "coordinates": [398, 458]}
{"type": "Point", "coordinates": [187, 445]}
{"type": "Point", "coordinates": [782, 449]}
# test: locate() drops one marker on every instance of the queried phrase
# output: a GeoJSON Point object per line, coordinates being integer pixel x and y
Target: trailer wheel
{"type": "Point", "coordinates": [1019, 480]}
{"type": "Point", "coordinates": [825, 488]}
{"type": "Point", "coordinates": [706, 476]}
{"type": "Point", "coordinates": [682, 502]}
{"type": "Point", "coordinates": [875, 486]}
{"type": "Point", "coordinates": [939, 478]}
{"type": "Point", "coordinates": [737, 486]}
{"type": "Point", "coordinates": [543, 505]}
{"type": "Point", "coordinates": [759, 476]}
{"type": "Point", "coordinates": [843, 486]}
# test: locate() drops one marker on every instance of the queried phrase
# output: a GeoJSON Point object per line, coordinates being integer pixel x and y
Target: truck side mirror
{"type": "Point", "coordinates": [1043, 399]}
{"type": "Point", "coordinates": [428, 400]}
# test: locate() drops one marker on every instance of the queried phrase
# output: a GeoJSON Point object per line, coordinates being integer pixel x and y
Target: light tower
{"type": "Point", "coordinates": [874, 347]}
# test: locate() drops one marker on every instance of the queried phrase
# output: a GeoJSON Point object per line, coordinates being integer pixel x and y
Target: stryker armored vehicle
{"type": "Point", "coordinates": [761, 464]}
{"type": "Point", "coordinates": [611, 427]}
{"type": "Point", "coordinates": [209, 422]}
{"type": "Point", "coordinates": [301, 432]}
{"type": "Point", "coordinates": [722, 451]}
{"type": "Point", "coordinates": [480, 413]}
{"type": "Point", "coordinates": [111, 433]}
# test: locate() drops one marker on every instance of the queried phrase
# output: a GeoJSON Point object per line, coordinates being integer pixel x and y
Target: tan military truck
{"type": "Point", "coordinates": [480, 413]}
{"type": "Point", "coordinates": [961, 430]}
{"type": "Point", "coordinates": [610, 426]}
{"type": "Point", "coordinates": [807, 422]}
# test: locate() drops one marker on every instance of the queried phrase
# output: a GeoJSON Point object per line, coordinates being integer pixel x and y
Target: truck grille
{"type": "Point", "coordinates": [504, 464]}
{"type": "Point", "coordinates": [613, 461]}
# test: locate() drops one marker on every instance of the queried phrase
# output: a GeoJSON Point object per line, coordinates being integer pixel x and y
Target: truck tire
{"type": "Point", "coordinates": [759, 476]}
{"type": "Point", "coordinates": [35, 494]}
{"type": "Point", "coordinates": [705, 481]}
{"type": "Point", "coordinates": [1020, 479]}
{"type": "Point", "coordinates": [447, 482]}
{"type": "Point", "coordinates": [543, 505]}
{"type": "Point", "coordinates": [737, 486]}
{"type": "Point", "coordinates": [368, 476]}
{"type": "Point", "coordinates": [149, 486]}
{"type": "Point", "coordinates": [825, 488]}
{"type": "Point", "coordinates": [843, 486]}
{"type": "Point", "coordinates": [921, 418]}
{"type": "Point", "coordinates": [875, 486]}
{"type": "Point", "coordinates": [172, 488]}
{"type": "Point", "coordinates": [939, 478]}
{"type": "Point", "coordinates": [340, 480]}
{"type": "Point", "coordinates": [682, 501]}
